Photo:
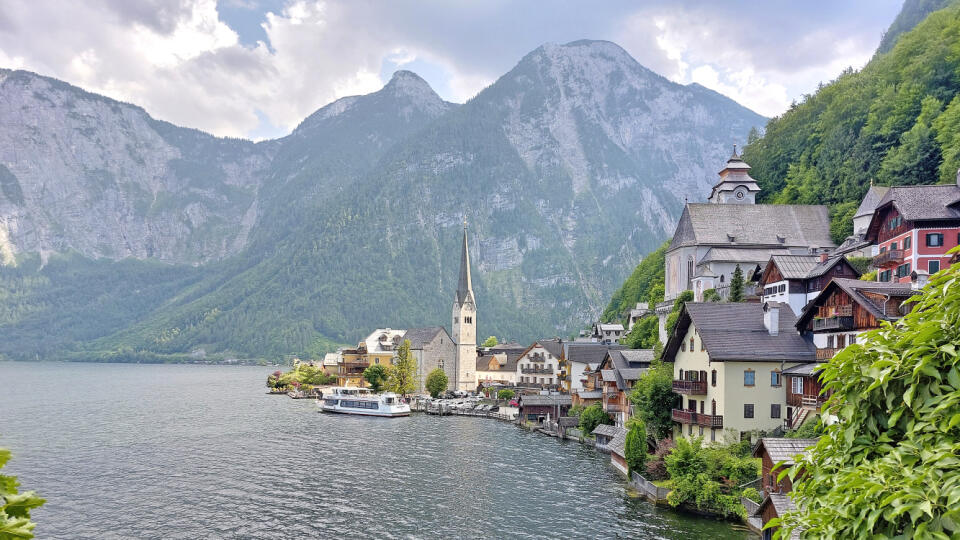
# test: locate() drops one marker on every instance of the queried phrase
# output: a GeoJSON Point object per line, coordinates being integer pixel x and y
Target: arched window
{"type": "Point", "coordinates": [691, 344]}
{"type": "Point", "coordinates": [721, 278]}
{"type": "Point", "coordinates": [713, 380]}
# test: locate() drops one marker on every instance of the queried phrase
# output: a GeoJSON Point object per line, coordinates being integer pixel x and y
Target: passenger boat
{"type": "Point", "coordinates": [361, 401]}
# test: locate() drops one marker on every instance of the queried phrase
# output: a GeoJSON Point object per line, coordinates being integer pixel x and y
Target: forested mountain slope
{"type": "Point", "coordinates": [897, 121]}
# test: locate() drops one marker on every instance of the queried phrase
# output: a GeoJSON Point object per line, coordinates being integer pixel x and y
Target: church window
{"type": "Point", "coordinates": [468, 320]}
{"type": "Point", "coordinates": [721, 278]}
{"type": "Point", "coordinates": [691, 343]}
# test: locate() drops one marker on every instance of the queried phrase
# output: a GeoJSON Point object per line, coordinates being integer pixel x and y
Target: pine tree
{"type": "Point", "coordinates": [736, 285]}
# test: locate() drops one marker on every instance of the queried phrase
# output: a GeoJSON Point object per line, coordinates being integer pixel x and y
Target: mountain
{"type": "Point", "coordinates": [894, 122]}
{"type": "Point", "coordinates": [911, 14]}
{"type": "Point", "coordinates": [567, 170]}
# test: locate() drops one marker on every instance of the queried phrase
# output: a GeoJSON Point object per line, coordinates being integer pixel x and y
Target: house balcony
{"type": "Point", "coordinates": [692, 388]}
{"type": "Point", "coordinates": [539, 386]}
{"type": "Point", "coordinates": [893, 257]}
{"type": "Point", "coordinates": [835, 323]}
{"type": "Point", "coordinates": [827, 354]}
{"type": "Point", "coordinates": [806, 401]}
{"type": "Point", "coordinates": [534, 369]}
{"type": "Point", "coordinates": [693, 417]}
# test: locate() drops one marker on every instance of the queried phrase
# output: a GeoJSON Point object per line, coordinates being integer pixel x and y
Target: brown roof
{"type": "Point", "coordinates": [855, 288]}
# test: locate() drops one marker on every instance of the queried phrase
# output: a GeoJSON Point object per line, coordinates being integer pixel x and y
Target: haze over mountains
{"type": "Point", "coordinates": [568, 169]}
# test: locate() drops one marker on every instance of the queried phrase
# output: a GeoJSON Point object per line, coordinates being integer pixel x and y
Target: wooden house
{"type": "Point", "coordinates": [544, 408]}
{"type": "Point", "coordinates": [797, 279]}
{"type": "Point", "coordinates": [777, 455]}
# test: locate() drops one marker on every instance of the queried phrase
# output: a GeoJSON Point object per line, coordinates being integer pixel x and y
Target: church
{"type": "Point", "coordinates": [464, 328]}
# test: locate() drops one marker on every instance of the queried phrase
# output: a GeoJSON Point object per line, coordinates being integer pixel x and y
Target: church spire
{"type": "Point", "coordinates": [465, 285]}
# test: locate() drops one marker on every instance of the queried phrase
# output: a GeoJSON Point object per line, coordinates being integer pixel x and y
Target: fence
{"type": "Point", "coordinates": [648, 488]}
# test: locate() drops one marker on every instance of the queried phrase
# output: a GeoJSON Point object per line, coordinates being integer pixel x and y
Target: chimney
{"type": "Point", "coordinates": [771, 318]}
{"type": "Point", "coordinates": [823, 257]}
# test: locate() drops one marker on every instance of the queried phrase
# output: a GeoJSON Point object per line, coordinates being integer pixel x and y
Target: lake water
{"type": "Point", "coordinates": [157, 451]}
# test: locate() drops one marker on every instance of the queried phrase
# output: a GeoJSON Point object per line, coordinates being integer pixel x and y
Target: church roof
{"type": "Point", "coordinates": [752, 225]}
{"type": "Point", "coordinates": [465, 284]}
{"type": "Point", "coordinates": [421, 337]}
{"type": "Point", "coordinates": [751, 255]}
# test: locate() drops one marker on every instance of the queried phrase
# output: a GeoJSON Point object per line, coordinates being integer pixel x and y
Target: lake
{"type": "Point", "coordinates": [180, 451]}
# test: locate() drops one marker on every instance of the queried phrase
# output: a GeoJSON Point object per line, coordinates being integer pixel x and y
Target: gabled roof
{"type": "Point", "coordinates": [753, 225]}
{"type": "Point", "coordinates": [587, 353]}
{"type": "Point", "coordinates": [510, 364]}
{"type": "Point", "coordinates": [735, 332]}
{"type": "Point", "coordinates": [804, 370]}
{"type": "Point", "coordinates": [606, 430]}
{"type": "Point", "coordinates": [420, 337]}
{"type": "Point", "coordinates": [619, 441]}
{"type": "Point", "coordinates": [553, 346]}
{"type": "Point", "coordinates": [856, 289]}
{"type": "Point", "coordinates": [374, 345]}
{"type": "Point", "coordinates": [537, 399]}
{"type": "Point", "coordinates": [800, 267]}
{"type": "Point", "coordinates": [918, 203]}
{"type": "Point", "coordinates": [782, 504]}
{"type": "Point", "coordinates": [782, 449]}
{"type": "Point", "coordinates": [871, 200]}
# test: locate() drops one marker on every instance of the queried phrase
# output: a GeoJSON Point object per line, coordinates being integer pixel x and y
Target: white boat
{"type": "Point", "coordinates": [360, 401]}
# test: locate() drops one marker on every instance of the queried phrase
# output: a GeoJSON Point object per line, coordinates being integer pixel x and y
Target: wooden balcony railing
{"type": "Point", "coordinates": [615, 407]}
{"type": "Point", "coordinates": [826, 354]}
{"type": "Point", "coordinates": [833, 323]}
{"type": "Point", "coordinates": [805, 400]}
{"type": "Point", "coordinates": [534, 369]}
{"type": "Point", "coordinates": [693, 388]}
{"type": "Point", "coordinates": [693, 417]}
{"type": "Point", "coordinates": [887, 258]}
{"type": "Point", "coordinates": [835, 311]}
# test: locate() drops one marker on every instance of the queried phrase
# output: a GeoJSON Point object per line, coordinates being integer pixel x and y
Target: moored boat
{"type": "Point", "coordinates": [360, 401]}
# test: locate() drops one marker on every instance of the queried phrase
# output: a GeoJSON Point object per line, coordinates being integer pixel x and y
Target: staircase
{"type": "Point", "coordinates": [798, 419]}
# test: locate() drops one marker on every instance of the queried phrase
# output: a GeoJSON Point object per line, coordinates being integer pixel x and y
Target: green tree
{"type": "Point", "coordinates": [15, 507]}
{"type": "Point", "coordinates": [736, 285]}
{"type": "Point", "coordinates": [639, 286]}
{"type": "Point", "coordinates": [436, 382]}
{"type": "Point", "coordinates": [593, 416]}
{"type": "Point", "coordinates": [506, 393]}
{"type": "Point", "coordinates": [314, 375]}
{"type": "Point", "coordinates": [653, 395]}
{"type": "Point", "coordinates": [377, 376]}
{"type": "Point", "coordinates": [711, 295]}
{"type": "Point", "coordinates": [635, 447]}
{"type": "Point", "coordinates": [404, 372]}
{"type": "Point", "coordinates": [490, 342]}
{"type": "Point", "coordinates": [890, 467]}
{"type": "Point", "coordinates": [644, 334]}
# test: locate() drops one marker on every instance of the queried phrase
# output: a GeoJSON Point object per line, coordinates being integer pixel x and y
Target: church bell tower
{"type": "Point", "coordinates": [465, 324]}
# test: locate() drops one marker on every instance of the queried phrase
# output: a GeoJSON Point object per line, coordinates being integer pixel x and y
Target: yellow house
{"type": "Point", "coordinates": [728, 360]}
{"type": "Point", "coordinates": [380, 347]}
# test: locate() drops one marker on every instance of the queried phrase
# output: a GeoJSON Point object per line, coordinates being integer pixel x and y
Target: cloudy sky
{"type": "Point", "coordinates": [255, 68]}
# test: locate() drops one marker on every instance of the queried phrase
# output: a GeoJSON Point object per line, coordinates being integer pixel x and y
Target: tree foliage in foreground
{"type": "Point", "coordinates": [891, 466]}
{"type": "Point", "coordinates": [436, 382]}
{"type": "Point", "coordinates": [15, 507]}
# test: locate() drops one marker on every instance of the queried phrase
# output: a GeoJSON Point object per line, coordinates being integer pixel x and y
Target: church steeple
{"type": "Point", "coordinates": [735, 185]}
{"type": "Point", "coordinates": [464, 329]}
{"type": "Point", "coordinates": [465, 285]}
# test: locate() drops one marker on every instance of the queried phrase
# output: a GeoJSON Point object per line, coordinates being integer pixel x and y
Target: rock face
{"type": "Point", "coordinates": [567, 169]}
{"type": "Point", "coordinates": [103, 178]}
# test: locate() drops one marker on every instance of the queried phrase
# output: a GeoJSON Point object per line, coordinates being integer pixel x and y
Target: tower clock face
{"type": "Point", "coordinates": [739, 194]}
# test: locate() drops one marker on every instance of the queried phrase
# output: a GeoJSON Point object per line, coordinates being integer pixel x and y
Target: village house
{"type": "Point", "coordinates": [849, 307]}
{"type": "Point", "coordinates": [636, 314]}
{"type": "Point", "coordinates": [542, 409]}
{"type": "Point", "coordinates": [797, 279]}
{"type": "Point", "coordinates": [607, 333]}
{"type": "Point", "coordinates": [805, 397]}
{"type": "Point", "coordinates": [377, 348]}
{"type": "Point", "coordinates": [776, 500]}
{"type": "Point", "coordinates": [728, 363]}
{"type": "Point", "coordinates": [618, 371]}
{"type": "Point", "coordinates": [730, 230]}
{"type": "Point", "coordinates": [914, 227]}
{"type": "Point", "coordinates": [539, 365]}
{"type": "Point", "coordinates": [432, 348]}
{"type": "Point", "coordinates": [582, 358]}
{"type": "Point", "coordinates": [498, 366]}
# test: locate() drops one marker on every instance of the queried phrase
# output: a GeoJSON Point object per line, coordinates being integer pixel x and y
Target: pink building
{"type": "Point", "coordinates": [914, 228]}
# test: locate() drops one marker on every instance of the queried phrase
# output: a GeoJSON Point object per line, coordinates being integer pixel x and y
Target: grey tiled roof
{"type": "Point", "coordinates": [590, 394]}
{"type": "Point", "coordinates": [805, 370]}
{"type": "Point", "coordinates": [871, 200]}
{"type": "Point", "coordinates": [924, 202]}
{"type": "Point", "coordinates": [553, 346]}
{"type": "Point", "coordinates": [752, 225]}
{"type": "Point", "coordinates": [608, 375]}
{"type": "Point", "coordinates": [735, 332]}
{"type": "Point", "coordinates": [618, 442]}
{"type": "Point", "coordinates": [587, 353]}
{"type": "Point", "coordinates": [851, 243]}
{"type": "Point", "coordinates": [606, 430]}
{"type": "Point", "coordinates": [782, 449]}
{"type": "Point", "coordinates": [420, 337]}
{"type": "Point", "coordinates": [537, 399]}
{"type": "Point", "coordinates": [795, 266]}
{"type": "Point", "coordinates": [728, 254]}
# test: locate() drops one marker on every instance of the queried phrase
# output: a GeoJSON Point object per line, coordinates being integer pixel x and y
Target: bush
{"type": "Point", "coordinates": [656, 470]}
{"type": "Point", "coordinates": [711, 295]}
{"type": "Point", "coordinates": [708, 478]}
{"type": "Point", "coordinates": [436, 382]}
{"type": "Point", "coordinates": [753, 495]}
{"type": "Point", "coordinates": [575, 411]}
{"type": "Point", "coordinates": [593, 416]}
